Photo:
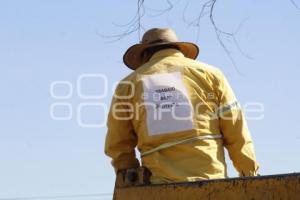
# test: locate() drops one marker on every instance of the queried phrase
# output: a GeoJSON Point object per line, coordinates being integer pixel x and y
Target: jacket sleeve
{"type": "Point", "coordinates": [121, 139]}
{"type": "Point", "coordinates": [237, 139]}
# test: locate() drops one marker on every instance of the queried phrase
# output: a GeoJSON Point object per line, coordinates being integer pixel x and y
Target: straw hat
{"type": "Point", "coordinates": [157, 37]}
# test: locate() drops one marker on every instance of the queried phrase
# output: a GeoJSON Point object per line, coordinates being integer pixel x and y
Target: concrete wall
{"type": "Point", "coordinates": [286, 186]}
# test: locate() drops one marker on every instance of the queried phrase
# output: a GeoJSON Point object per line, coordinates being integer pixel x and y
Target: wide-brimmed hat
{"type": "Point", "coordinates": [157, 37]}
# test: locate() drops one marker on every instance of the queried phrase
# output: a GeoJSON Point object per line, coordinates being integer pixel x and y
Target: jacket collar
{"type": "Point", "coordinates": [166, 53]}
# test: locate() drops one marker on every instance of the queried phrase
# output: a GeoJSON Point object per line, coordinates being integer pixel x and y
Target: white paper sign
{"type": "Point", "coordinates": [167, 104]}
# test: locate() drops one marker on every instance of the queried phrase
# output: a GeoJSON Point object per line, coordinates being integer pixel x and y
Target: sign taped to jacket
{"type": "Point", "coordinates": [167, 103]}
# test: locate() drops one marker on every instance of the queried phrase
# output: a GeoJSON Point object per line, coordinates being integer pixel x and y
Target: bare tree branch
{"type": "Point", "coordinates": [220, 33]}
{"type": "Point", "coordinates": [203, 12]}
{"type": "Point", "coordinates": [295, 4]}
{"type": "Point", "coordinates": [134, 25]}
{"type": "Point", "coordinates": [207, 9]}
{"type": "Point", "coordinates": [159, 12]}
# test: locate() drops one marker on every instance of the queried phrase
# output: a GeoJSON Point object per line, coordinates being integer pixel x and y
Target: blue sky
{"type": "Point", "coordinates": [46, 41]}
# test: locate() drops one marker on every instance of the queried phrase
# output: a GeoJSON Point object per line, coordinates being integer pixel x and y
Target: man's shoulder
{"type": "Point", "coordinates": [202, 67]}
{"type": "Point", "coordinates": [186, 62]}
{"type": "Point", "coordinates": [129, 77]}
{"type": "Point", "coordinates": [125, 85]}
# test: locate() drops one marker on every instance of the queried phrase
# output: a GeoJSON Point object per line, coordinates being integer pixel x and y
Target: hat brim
{"type": "Point", "coordinates": [133, 56]}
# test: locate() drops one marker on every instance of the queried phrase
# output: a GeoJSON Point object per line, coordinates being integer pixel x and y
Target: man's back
{"type": "Point", "coordinates": [179, 113]}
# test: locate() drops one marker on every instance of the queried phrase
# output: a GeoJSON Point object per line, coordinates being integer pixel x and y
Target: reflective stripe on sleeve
{"type": "Point", "coordinates": [228, 107]}
{"type": "Point", "coordinates": [170, 144]}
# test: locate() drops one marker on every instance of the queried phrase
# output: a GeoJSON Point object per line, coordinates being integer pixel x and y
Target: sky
{"type": "Point", "coordinates": [58, 73]}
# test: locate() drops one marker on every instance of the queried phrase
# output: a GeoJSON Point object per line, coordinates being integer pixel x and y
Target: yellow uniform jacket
{"type": "Point", "coordinates": [180, 114]}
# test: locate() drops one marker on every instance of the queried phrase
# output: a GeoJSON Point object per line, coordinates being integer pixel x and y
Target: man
{"type": "Point", "coordinates": [178, 112]}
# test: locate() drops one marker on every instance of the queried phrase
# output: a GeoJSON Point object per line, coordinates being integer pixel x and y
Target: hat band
{"type": "Point", "coordinates": [157, 41]}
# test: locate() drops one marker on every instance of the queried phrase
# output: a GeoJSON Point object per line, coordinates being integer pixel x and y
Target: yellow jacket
{"type": "Point", "coordinates": [179, 113]}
